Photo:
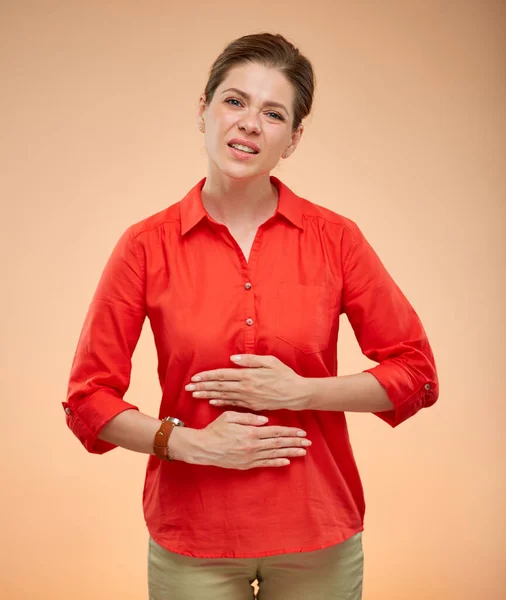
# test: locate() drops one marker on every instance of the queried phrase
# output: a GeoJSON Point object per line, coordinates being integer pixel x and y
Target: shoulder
{"type": "Point", "coordinates": [335, 224]}
{"type": "Point", "coordinates": [168, 216]}
{"type": "Point", "coordinates": [134, 240]}
{"type": "Point", "coordinates": [146, 228]}
{"type": "Point", "coordinates": [167, 222]}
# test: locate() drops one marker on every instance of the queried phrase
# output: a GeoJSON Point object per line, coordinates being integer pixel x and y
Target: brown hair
{"type": "Point", "coordinates": [273, 51]}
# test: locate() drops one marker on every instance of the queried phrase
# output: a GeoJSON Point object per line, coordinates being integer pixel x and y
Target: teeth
{"type": "Point", "coordinates": [243, 148]}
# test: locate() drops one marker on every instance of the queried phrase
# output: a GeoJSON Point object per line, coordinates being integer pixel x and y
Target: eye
{"type": "Point", "coordinates": [230, 100]}
{"type": "Point", "coordinates": [276, 116]}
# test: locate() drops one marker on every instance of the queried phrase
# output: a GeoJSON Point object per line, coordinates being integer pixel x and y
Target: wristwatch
{"type": "Point", "coordinates": [161, 441]}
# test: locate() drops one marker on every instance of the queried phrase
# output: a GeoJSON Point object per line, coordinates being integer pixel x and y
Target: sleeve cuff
{"type": "Point", "coordinates": [87, 417]}
{"type": "Point", "coordinates": [407, 394]}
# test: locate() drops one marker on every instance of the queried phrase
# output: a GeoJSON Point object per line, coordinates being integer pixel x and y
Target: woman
{"type": "Point", "coordinates": [251, 473]}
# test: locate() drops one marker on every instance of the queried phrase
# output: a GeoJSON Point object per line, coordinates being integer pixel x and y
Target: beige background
{"type": "Point", "coordinates": [407, 138]}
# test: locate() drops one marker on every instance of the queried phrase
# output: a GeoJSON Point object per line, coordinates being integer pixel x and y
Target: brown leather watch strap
{"type": "Point", "coordinates": [161, 441]}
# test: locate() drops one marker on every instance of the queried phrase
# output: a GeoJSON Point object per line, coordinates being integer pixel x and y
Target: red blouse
{"type": "Point", "coordinates": [205, 302]}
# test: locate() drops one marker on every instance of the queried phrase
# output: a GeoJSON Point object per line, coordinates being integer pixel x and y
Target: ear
{"type": "Point", "coordinates": [199, 120]}
{"type": "Point", "coordinates": [296, 135]}
{"type": "Point", "coordinates": [202, 106]}
{"type": "Point", "coordinates": [295, 139]}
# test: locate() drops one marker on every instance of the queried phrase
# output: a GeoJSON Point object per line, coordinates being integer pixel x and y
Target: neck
{"type": "Point", "coordinates": [239, 203]}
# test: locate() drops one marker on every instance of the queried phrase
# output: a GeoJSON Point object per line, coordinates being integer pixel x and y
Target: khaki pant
{"type": "Point", "coordinates": [333, 573]}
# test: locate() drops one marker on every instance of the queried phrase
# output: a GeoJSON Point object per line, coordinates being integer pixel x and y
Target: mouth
{"type": "Point", "coordinates": [243, 148]}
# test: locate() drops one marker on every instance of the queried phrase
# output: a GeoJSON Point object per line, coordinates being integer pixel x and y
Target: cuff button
{"type": "Point", "coordinates": [427, 386]}
{"type": "Point", "coordinates": [68, 411]}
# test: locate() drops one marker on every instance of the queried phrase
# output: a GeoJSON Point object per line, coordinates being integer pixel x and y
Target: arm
{"type": "Point", "coordinates": [134, 430]}
{"type": "Point", "coordinates": [353, 393]}
{"type": "Point", "coordinates": [100, 374]}
{"type": "Point", "coordinates": [390, 333]}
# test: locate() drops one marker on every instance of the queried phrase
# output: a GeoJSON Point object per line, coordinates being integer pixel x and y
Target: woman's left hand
{"type": "Point", "coordinates": [261, 383]}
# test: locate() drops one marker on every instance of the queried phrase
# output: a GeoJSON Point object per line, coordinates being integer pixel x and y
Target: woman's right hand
{"type": "Point", "coordinates": [238, 441]}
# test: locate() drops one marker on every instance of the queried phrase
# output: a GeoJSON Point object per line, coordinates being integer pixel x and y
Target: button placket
{"type": "Point", "coordinates": [249, 314]}
{"type": "Point", "coordinates": [249, 300]}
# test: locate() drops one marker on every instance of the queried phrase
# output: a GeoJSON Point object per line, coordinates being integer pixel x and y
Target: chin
{"type": "Point", "coordinates": [238, 171]}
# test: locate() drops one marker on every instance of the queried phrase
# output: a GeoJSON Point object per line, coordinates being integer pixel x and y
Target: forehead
{"type": "Point", "coordinates": [260, 82]}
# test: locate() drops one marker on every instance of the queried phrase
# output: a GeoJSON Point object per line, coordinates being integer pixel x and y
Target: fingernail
{"type": "Point", "coordinates": [301, 433]}
{"type": "Point", "coordinates": [306, 443]}
{"type": "Point", "coordinates": [195, 378]}
{"type": "Point", "coordinates": [263, 419]}
{"type": "Point", "coordinates": [190, 387]}
{"type": "Point", "coordinates": [235, 357]}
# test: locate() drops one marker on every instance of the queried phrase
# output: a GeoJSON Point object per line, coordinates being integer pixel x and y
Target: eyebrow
{"type": "Point", "coordinates": [247, 97]}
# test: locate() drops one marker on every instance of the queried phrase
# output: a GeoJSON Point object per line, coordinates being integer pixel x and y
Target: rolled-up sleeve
{"type": "Point", "coordinates": [100, 373]}
{"type": "Point", "coordinates": [387, 329]}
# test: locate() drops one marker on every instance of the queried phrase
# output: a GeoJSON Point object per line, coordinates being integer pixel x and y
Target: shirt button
{"type": "Point", "coordinates": [247, 286]}
{"type": "Point", "coordinates": [68, 411]}
{"type": "Point", "coordinates": [249, 321]}
{"type": "Point", "coordinates": [427, 386]}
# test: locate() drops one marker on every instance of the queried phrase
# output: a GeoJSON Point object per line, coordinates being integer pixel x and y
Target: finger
{"type": "Point", "coordinates": [244, 418]}
{"type": "Point", "coordinates": [225, 387]}
{"type": "Point", "coordinates": [220, 375]}
{"type": "Point", "coordinates": [282, 453]}
{"type": "Point", "coordinates": [253, 360]}
{"type": "Point", "coordinates": [274, 431]}
{"type": "Point", "coordinates": [283, 442]}
{"type": "Point", "coordinates": [270, 462]}
{"type": "Point", "coordinates": [219, 402]}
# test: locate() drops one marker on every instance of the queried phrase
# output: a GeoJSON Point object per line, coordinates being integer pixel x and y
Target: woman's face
{"type": "Point", "coordinates": [252, 107]}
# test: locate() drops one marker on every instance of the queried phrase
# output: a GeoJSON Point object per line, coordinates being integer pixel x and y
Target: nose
{"type": "Point", "coordinates": [250, 123]}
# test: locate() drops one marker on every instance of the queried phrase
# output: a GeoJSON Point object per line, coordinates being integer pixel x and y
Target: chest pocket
{"type": "Point", "coordinates": [305, 315]}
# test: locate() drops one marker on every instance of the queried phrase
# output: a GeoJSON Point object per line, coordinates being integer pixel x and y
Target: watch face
{"type": "Point", "coordinates": [177, 422]}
